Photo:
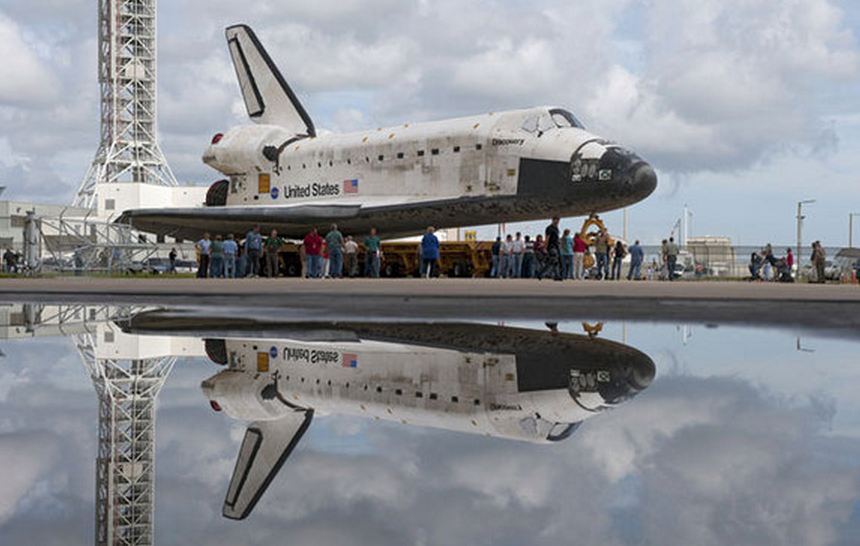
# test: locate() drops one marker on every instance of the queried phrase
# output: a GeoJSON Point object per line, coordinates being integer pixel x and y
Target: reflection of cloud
{"type": "Point", "coordinates": [25, 458]}
{"type": "Point", "coordinates": [722, 463]}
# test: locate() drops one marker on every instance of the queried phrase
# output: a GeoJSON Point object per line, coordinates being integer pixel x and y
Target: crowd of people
{"type": "Point", "coordinates": [562, 256]}
{"type": "Point", "coordinates": [764, 265]}
{"type": "Point", "coordinates": [11, 262]}
{"type": "Point", "coordinates": [554, 254]}
{"type": "Point", "coordinates": [332, 256]}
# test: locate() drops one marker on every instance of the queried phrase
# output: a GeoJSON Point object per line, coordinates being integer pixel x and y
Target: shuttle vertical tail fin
{"type": "Point", "coordinates": [265, 448]}
{"type": "Point", "coordinates": [268, 98]}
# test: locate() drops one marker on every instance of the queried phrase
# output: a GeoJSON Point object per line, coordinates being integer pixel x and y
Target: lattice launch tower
{"type": "Point", "coordinates": [128, 151]}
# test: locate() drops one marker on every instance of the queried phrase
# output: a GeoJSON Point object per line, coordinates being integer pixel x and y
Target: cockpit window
{"type": "Point", "coordinates": [555, 118]}
{"type": "Point", "coordinates": [563, 118]}
{"type": "Point", "coordinates": [530, 125]}
{"type": "Point", "coordinates": [546, 123]}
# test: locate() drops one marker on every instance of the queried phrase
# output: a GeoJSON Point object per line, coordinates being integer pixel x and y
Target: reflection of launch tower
{"type": "Point", "coordinates": [127, 377]}
{"type": "Point", "coordinates": [125, 464]}
{"type": "Point", "coordinates": [128, 151]}
{"type": "Point", "coordinates": [128, 374]}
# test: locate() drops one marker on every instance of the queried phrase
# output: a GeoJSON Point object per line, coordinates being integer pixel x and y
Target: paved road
{"type": "Point", "coordinates": [280, 291]}
{"type": "Point", "coordinates": [820, 307]}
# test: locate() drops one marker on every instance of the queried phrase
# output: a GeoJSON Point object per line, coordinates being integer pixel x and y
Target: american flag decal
{"type": "Point", "coordinates": [349, 360]}
{"type": "Point", "coordinates": [350, 186]}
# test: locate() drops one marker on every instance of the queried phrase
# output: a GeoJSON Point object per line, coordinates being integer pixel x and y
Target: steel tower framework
{"type": "Point", "coordinates": [125, 463]}
{"type": "Point", "coordinates": [128, 150]}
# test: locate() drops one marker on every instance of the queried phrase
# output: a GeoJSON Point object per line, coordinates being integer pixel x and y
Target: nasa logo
{"type": "Point", "coordinates": [274, 193]}
{"type": "Point", "coordinates": [273, 352]}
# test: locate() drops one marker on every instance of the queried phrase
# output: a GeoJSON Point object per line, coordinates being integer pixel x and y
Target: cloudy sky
{"type": "Point", "coordinates": [713, 452]}
{"type": "Point", "coordinates": [744, 107]}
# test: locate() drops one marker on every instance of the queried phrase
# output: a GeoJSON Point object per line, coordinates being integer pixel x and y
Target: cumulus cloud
{"type": "Point", "coordinates": [727, 83]}
{"type": "Point", "coordinates": [25, 79]}
{"type": "Point", "coordinates": [714, 86]}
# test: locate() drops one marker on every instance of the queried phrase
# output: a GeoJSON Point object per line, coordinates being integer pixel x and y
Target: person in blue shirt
{"type": "Point", "coordinates": [636, 257]}
{"type": "Point", "coordinates": [429, 253]}
{"type": "Point", "coordinates": [230, 251]}
{"type": "Point", "coordinates": [253, 249]}
{"type": "Point", "coordinates": [567, 255]}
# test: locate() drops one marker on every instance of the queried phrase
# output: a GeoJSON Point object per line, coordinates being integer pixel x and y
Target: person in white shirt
{"type": "Point", "coordinates": [507, 257]}
{"type": "Point", "coordinates": [518, 248]}
{"type": "Point", "coordinates": [350, 248]}
{"type": "Point", "coordinates": [204, 249]}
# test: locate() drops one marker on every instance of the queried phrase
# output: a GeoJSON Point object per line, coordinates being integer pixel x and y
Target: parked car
{"type": "Point", "coordinates": [159, 266]}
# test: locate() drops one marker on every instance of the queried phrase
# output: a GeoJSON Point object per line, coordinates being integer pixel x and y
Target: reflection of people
{"type": "Point", "coordinates": [429, 253]}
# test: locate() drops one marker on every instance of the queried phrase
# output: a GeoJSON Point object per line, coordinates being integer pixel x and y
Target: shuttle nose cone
{"type": "Point", "coordinates": [644, 181]}
{"type": "Point", "coordinates": [642, 373]}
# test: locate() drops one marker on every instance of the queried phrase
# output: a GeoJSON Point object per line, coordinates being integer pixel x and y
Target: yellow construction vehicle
{"type": "Point", "coordinates": [590, 237]}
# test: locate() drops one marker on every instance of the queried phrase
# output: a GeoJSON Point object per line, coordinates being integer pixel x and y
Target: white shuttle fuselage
{"type": "Point", "coordinates": [509, 166]}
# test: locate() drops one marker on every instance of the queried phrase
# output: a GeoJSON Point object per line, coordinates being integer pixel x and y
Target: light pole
{"type": "Point", "coordinates": [851, 228]}
{"type": "Point", "coordinates": [799, 227]}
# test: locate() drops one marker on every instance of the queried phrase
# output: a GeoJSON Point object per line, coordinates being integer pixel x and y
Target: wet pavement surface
{"type": "Point", "coordinates": [247, 425]}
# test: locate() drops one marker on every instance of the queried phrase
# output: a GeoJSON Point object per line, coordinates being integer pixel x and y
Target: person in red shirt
{"type": "Point", "coordinates": [579, 248]}
{"type": "Point", "coordinates": [313, 257]}
{"type": "Point", "coordinates": [789, 260]}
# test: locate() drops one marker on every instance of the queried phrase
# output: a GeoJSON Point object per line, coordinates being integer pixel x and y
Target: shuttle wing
{"type": "Point", "coordinates": [268, 98]}
{"type": "Point", "coordinates": [191, 222]}
{"type": "Point", "coordinates": [266, 447]}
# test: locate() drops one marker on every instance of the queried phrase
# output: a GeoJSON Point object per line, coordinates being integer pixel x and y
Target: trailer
{"type": "Point", "coordinates": [403, 259]}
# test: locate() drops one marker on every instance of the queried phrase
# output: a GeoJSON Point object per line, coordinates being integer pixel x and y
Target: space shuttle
{"type": "Point", "coordinates": [518, 165]}
{"type": "Point", "coordinates": [513, 383]}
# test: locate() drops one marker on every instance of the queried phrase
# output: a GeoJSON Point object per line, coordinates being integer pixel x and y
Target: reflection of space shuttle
{"type": "Point", "coordinates": [536, 386]}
